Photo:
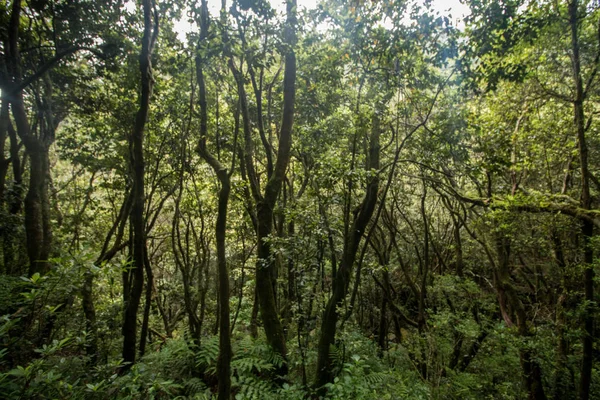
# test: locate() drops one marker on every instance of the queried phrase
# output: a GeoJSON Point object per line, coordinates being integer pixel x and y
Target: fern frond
{"type": "Point", "coordinates": [251, 364]}
{"type": "Point", "coordinates": [206, 355]}
{"type": "Point", "coordinates": [251, 388]}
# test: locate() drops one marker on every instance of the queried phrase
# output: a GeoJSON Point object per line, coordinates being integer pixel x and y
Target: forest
{"type": "Point", "coordinates": [343, 199]}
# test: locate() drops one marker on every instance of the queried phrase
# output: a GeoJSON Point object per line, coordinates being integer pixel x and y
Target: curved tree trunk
{"type": "Point", "coordinates": [266, 263]}
{"type": "Point", "coordinates": [134, 281]}
{"type": "Point", "coordinates": [265, 203]}
{"type": "Point", "coordinates": [37, 220]}
{"type": "Point", "coordinates": [225, 353]}
{"type": "Point", "coordinates": [342, 277]}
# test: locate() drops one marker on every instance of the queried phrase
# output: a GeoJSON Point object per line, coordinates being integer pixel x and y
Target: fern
{"type": "Point", "coordinates": [376, 378]}
{"type": "Point", "coordinates": [336, 355]}
{"type": "Point", "coordinates": [252, 368]}
{"type": "Point", "coordinates": [251, 364]}
{"type": "Point", "coordinates": [175, 359]}
{"type": "Point", "coordinates": [273, 357]}
{"type": "Point", "coordinates": [194, 387]}
{"type": "Point", "coordinates": [207, 353]}
{"type": "Point", "coordinates": [249, 387]}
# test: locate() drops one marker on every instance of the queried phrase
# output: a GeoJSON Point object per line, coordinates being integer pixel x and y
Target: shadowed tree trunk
{"type": "Point", "coordinates": [4, 162]}
{"type": "Point", "coordinates": [342, 277]}
{"type": "Point", "coordinates": [4, 166]}
{"type": "Point", "coordinates": [265, 202]}
{"type": "Point", "coordinates": [134, 277]}
{"type": "Point", "coordinates": [37, 219]}
{"type": "Point", "coordinates": [266, 263]}
{"type": "Point", "coordinates": [587, 227]}
{"type": "Point", "coordinates": [225, 353]}
{"type": "Point", "coordinates": [514, 309]}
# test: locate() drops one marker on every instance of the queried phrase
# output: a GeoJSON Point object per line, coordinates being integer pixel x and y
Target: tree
{"type": "Point", "coordinates": [133, 279]}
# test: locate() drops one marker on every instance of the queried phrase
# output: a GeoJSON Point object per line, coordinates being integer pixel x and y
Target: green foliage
{"type": "Point", "coordinates": [474, 256]}
{"type": "Point", "coordinates": [206, 355]}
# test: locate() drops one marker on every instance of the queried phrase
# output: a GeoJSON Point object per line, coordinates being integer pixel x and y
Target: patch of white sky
{"type": "Point", "coordinates": [454, 8]}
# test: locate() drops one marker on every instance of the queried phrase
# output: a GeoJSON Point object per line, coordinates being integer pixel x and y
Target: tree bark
{"type": "Point", "coordinates": [514, 310]}
{"type": "Point", "coordinates": [342, 277]}
{"type": "Point", "coordinates": [587, 227]}
{"type": "Point", "coordinates": [37, 224]}
{"type": "Point", "coordinates": [134, 281]}
{"type": "Point", "coordinates": [147, 304]}
{"type": "Point", "coordinates": [266, 263]}
{"type": "Point", "coordinates": [4, 162]}
{"type": "Point", "coordinates": [225, 352]}
{"type": "Point", "coordinates": [265, 203]}
{"type": "Point", "coordinates": [37, 219]}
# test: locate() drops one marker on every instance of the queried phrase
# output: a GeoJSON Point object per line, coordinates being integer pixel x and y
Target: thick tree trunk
{"type": "Point", "coordinates": [265, 265]}
{"type": "Point", "coordinates": [264, 283]}
{"type": "Point", "coordinates": [37, 207]}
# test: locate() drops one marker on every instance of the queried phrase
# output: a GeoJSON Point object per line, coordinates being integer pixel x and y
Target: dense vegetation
{"type": "Point", "coordinates": [354, 201]}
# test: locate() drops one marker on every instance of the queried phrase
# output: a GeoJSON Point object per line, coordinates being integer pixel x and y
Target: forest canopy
{"type": "Point", "coordinates": [356, 199]}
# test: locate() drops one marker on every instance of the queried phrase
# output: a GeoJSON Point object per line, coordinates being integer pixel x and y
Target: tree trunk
{"type": "Point", "coordinates": [4, 163]}
{"type": "Point", "coordinates": [37, 224]}
{"type": "Point", "coordinates": [563, 385]}
{"type": "Point", "coordinates": [89, 310]}
{"type": "Point", "coordinates": [225, 353]}
{"type": "Point", "coordinates": [587, 227]}
{"type": "Point", "coordinates": [265, 204]}
{"type": "Point", "coordinates": [87, 290]}
{"type": "Point", "coordinates": [134, 281]}
{"type": "Point", "coordinates": [147, 303]}
{"type": "Point", "coordinates": [37, 219]}
{"type": "Point", "coordinates": [532, 374]}
{"type": "Point", "coordinates": [342, 277]}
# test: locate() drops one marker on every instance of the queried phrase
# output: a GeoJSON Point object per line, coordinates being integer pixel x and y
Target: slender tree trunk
{"type": "Point", "coordinates": [135, 279]}
{"type": "Point", "coordinates": [224, 362]}
{"type": "Point", "coordinates": [265, 203]}
{"type": "Point", "coordinates": [147, 303]}
{"type": "Point", "coordinates": [87, 290]}
{"type": "Point", "coordinates": [89, 310]}
{"type": "Point", "coordinates": [587, 227]}
{"type": "Point", "coordinates": [532, 374]}
{"type": "Point", "coordinates": [4, 162]}
{"type": "Point", "coordinates": [225, 353]}
{"type": "Point", "coordinates": [14, 204]}
{"type": "Point", "coordinates": [383, 325]}
{"type": "Point", "coordinates": [4, 166]}
{"type": "Point", "coordinates": [458, 250]}
{"type": "Point", "coordinates": [563, 385]}
{"type": "Point", "coordinates": [342, 277]}
{"type": "Point", "coordinates": [266, 263]}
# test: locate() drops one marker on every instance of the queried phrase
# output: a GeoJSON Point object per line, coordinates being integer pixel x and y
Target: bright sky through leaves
{"type": "Point", "coordinates": [452, 7]}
